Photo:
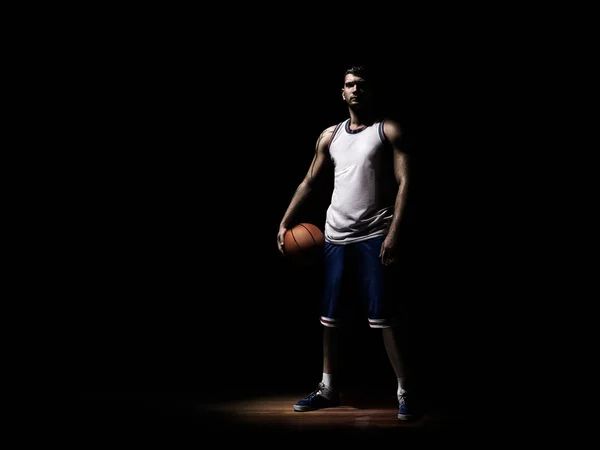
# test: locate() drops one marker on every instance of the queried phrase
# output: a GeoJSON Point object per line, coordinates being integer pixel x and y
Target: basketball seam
{"type": "Point", "coordinates": [294, 237]}
{"type": "Point", "coordinates": [308, 231]}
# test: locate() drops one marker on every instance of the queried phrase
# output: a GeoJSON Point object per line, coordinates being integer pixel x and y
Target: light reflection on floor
{"type": "Point", "coordinates": [277, 411]}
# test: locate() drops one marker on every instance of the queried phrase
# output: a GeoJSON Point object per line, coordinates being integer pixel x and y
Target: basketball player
{"type": "Point", "coordinates": [370, 168]}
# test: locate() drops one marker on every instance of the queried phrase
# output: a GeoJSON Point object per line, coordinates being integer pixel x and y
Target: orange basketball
{"type": "Point", "coordinates": [304, 242]}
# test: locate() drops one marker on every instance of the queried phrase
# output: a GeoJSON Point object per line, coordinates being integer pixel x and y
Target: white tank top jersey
{"type": "Point", "coordinates": [364, 189]}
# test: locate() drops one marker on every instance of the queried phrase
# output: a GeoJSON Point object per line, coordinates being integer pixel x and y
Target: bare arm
{"type": "Point", "coordinates": [394, 134]}
{"type": "Point", "coordinates": [319, 168]}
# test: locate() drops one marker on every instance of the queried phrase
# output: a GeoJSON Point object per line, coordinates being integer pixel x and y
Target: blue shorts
{"type": "Point", "coordinates": [356, 278]}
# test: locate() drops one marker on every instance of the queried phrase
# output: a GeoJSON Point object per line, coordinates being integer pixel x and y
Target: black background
{"type": "Point", "coordinates": [187, 147]}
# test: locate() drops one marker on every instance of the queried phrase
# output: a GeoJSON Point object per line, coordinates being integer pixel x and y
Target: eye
{"type": "Point", "coordinates": [362, 84]}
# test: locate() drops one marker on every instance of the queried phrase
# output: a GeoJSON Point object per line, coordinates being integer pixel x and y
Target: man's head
{"type": "Point", "coordinates": [356, 90]}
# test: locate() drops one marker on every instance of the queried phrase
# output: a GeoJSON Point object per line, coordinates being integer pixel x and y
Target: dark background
{"type": "Point", "coordinates": [187, 148]}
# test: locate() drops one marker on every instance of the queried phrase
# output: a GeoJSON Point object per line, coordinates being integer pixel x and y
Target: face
{"type": "Point", "coordinates": [356, 90]}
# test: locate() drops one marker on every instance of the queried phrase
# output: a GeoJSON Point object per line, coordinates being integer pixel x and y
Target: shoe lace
{"type": "Point", "coordinates": [317, 391]}
{"type": "Point", "coordinates": [402, 398]}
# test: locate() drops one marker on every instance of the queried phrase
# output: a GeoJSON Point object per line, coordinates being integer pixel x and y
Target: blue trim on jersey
{"type": "Point", "coordinates": [381, 133]}
{"type": "Point", "coordinates": [335, 130]}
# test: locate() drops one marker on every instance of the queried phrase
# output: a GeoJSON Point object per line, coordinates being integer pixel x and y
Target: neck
{"type": "Point", "coordinates": [360, 118]}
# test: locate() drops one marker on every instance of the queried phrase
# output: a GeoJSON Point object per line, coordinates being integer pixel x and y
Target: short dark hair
{"type": "Point", "coordinates": [359, 71]}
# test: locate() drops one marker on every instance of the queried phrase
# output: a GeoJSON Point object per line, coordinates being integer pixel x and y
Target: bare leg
{"type": "Point", "coordinates": [326, 395]}
{"type": "Point", "coordinates": [330, 350]}
{"type": "Point", "coordinates": [398, 360]}
{"type": "Point", "coordinates": [392, 347]}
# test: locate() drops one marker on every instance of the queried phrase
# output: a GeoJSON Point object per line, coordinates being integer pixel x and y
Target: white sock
{"type": "Point", "coordinates": [327, 380]}
{"type": "Point", "coordinates": [401, 386]}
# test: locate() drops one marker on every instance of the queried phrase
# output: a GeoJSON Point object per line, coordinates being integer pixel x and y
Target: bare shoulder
{"type": "Point", "coordinates": [392, 129]}
{"type": "Point", "coordinates": [328, 131]}
{"type": "Point", "coordinates": [325, 136]}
